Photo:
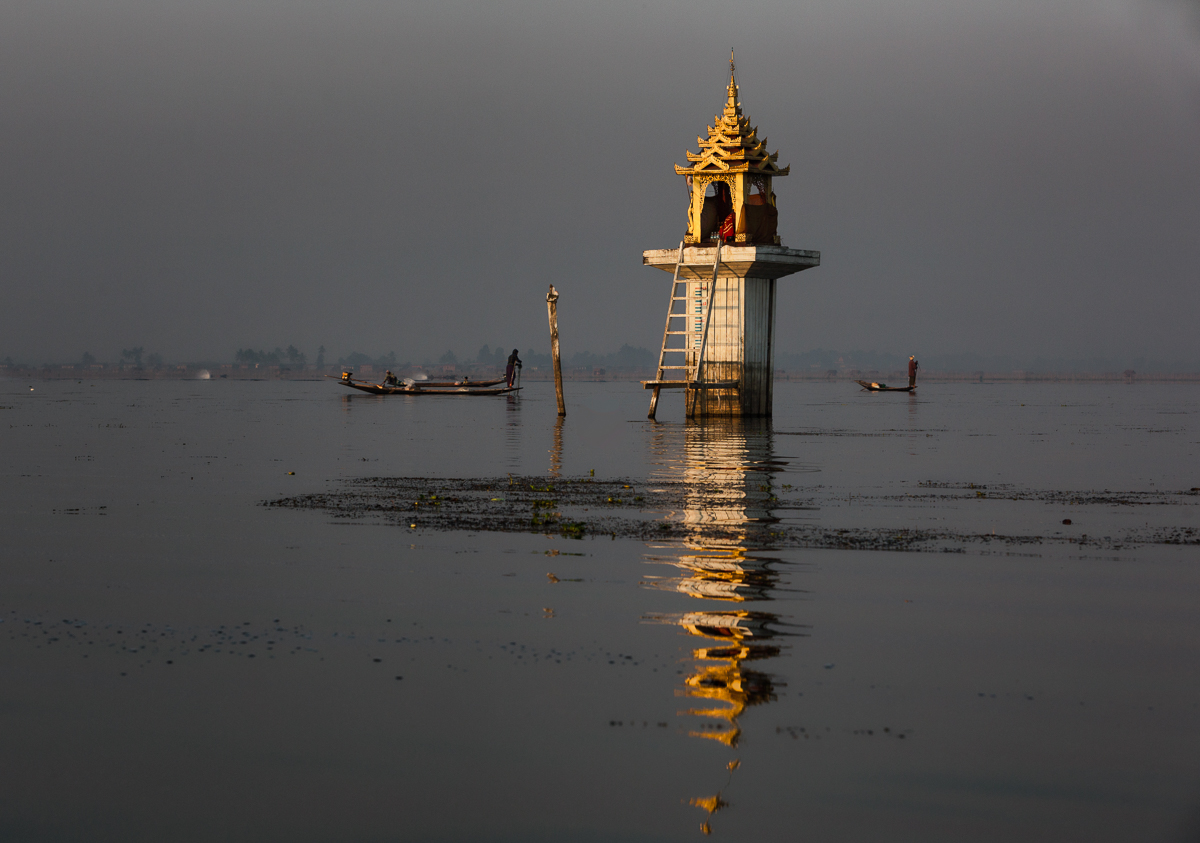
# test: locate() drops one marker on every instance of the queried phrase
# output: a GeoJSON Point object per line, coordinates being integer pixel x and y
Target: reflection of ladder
{"type": "Point", "coordinates": [693, 357]}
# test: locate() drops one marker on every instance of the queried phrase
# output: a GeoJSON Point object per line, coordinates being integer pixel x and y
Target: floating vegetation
{"type": "Point", "coordinates": [579, 507]}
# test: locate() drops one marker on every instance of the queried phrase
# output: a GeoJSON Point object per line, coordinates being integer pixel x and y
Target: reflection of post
{"type": "Point", "coordinates": [556, 451]}
{"type": "Point", "coordinates": [552, 308]}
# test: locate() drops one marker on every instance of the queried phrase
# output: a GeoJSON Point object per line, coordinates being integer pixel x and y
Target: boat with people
{"type": "Point", "coordinates": [883, 387]}
{"type": "Point", "coordinates": [410, 386]}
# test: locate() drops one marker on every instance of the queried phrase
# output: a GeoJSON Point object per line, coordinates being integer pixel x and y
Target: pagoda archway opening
{"type": "Point", "coordinates": [716, 216]}
{"type": "Point", "coordinates": [753, 221]}
{"type": "Point", "coordinates": [758, 222]}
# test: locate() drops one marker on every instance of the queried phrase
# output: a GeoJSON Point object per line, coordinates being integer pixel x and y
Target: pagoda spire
{"type": "Point", "coordinates": [732, 145]}
{"type": "Point", "coordinates": [732, 106]}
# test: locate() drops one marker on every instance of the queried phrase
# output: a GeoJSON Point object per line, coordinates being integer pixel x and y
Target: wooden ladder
{"type": "Point", "coordinates": [691, 369]}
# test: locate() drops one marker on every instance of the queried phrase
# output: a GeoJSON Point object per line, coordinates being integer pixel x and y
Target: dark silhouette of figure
{"type": "Point", "coordinates": [514, 363]}
{"type": "Point", "coordinates": [389, 379]}
{"type": "Point", "coordinates": [913, 365]}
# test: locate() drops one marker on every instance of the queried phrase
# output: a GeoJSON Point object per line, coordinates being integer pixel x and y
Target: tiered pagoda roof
{"type": "Point", "coordinates": [732, 145]}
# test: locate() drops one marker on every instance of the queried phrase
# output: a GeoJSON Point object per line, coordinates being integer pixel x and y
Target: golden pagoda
{"type": "Point", "coordinates": [719, 339]}
{"type": "Point", "coordinates": [735, 164]}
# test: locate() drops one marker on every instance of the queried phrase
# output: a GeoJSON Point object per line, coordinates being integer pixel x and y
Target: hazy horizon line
{"type": "Point", "coordinates": [627, 357]}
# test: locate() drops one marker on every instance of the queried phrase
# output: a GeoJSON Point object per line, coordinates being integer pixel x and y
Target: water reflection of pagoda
{"type": "Point", "coordinates": [727, 468]}
{"type": "Point", "coordinates": [720, 677]}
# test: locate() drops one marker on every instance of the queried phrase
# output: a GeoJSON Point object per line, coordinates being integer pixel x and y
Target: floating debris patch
{"type": "Point", "coordinates": [586, 507]}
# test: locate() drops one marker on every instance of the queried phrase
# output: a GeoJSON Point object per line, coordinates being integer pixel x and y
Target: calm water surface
{"type": "Point", "coordinates": [180, 663]}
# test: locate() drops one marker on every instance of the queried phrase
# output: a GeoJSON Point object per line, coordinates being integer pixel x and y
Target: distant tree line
{"type": "Point", "coordinates": [291, 355]}
{"type": "Point", "coordinates": [626, 357]}
{"type": "Point", "coordinates": [134, 356]}
{"type": "Point", "coordinates": [823, 359]}
{"type": "Point", "coordinates": [636, 357]}
{"type": "Point", "coordinates": [356, 359]}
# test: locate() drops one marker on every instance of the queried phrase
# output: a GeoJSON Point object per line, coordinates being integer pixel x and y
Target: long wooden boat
{"type": "Point", "coordinates": [882, 387]}
{"type": "Point", "coordinates": [423, 384]}
{"type": "Point", "coordinates": [420, 389]}
{"type": "Point", "coordinates": [467, 383]}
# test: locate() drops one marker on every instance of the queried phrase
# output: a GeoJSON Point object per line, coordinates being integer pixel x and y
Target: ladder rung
{"type": "Point", "coordinates": [690, 384]}
{"type": "Point", "coordinates": [676, 333]}
{"type": "Point", "coordinates": [674, 367]}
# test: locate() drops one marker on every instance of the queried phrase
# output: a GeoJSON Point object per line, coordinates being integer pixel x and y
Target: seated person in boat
{"type": "Point", "coordinates": [389, 379]}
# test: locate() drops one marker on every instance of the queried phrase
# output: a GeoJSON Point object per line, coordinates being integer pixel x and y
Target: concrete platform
{"type": "Point", "coordinates": [769, 262]}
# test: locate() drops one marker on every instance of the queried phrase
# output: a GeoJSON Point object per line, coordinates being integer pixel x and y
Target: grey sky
{"type": "Point", "coordinates": [194, 177]}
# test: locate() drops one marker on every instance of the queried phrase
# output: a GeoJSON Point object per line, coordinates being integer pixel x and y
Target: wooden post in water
{"type": "Point", "coordinates": [552, 309]}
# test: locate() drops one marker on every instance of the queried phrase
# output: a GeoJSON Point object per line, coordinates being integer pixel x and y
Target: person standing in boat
{"type": "Point", "coordinates": [514, 363]}
{"type": "Point", "coordinates": [913, 365]}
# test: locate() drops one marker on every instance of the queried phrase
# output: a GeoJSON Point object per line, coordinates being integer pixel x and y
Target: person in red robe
{"type": "Point", "coordinates": [913, 365]}
{"type": "Point", "coordinates": [725, 212]}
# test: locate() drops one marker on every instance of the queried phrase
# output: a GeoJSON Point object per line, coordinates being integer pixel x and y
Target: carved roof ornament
{"type": "Point", "coordinates": [732, 145]}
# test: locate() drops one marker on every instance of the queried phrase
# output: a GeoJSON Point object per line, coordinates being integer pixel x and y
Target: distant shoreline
{"type": "Point", "coordinates": [530, 374]}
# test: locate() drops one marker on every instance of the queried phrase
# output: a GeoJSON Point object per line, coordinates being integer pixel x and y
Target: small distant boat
{"type": "Point", "coordinates": [412, 387]}
{"type": "Point", "coordinates": [883, 387]}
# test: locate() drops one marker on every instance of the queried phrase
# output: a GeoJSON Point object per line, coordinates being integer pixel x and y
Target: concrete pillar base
{"type": "Point", "coordinates": [740, 344]}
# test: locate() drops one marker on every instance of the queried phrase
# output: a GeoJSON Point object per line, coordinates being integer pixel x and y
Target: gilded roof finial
{"type": "Point", "coordinates": [733, 89]}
